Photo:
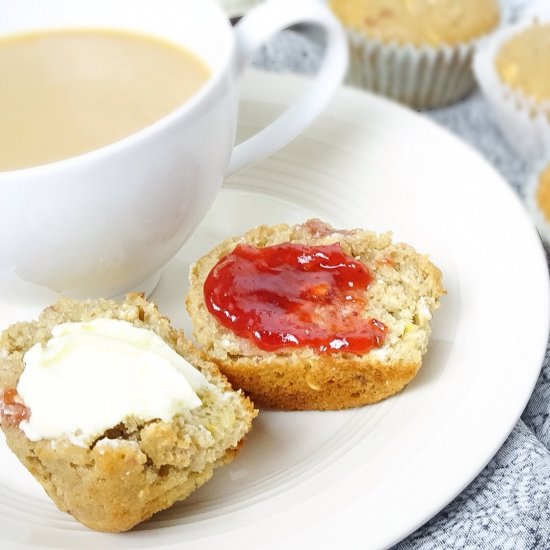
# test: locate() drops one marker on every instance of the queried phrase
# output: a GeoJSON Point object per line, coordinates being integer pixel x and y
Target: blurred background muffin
{"type": "Point", "coordinates": [415, 51]}
{"type": "Point", "coordinates": [537, 199]}
{"type": "Point", "coordinates": [513, 70]}
{"type": "Point", "coordinates": [523, 62]}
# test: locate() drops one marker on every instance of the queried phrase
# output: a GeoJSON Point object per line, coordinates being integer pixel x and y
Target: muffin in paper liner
{"type": "Point", "coordinates": [420, 76]}
{"type": "Point", "coordinates": [537, 198]}
{"type": "Point", "coordinates": [524, 122]}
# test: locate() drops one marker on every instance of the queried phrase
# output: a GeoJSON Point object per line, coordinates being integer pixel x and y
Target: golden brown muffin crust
{"type": "Point", "coordinates": [542, 194]}
{"type": "Point", "coordinates": [523, 62]}
{"type": "Point", "coordinates": [419, 22]}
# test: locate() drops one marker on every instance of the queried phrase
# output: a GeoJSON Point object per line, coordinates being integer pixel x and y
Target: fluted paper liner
{"type": "Point", "coordinates": [422, 77]}
{"type": "Point", "coordinates": [524, 122]}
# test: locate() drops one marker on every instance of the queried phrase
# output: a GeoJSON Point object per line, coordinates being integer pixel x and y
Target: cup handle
{"type": "Point", "coordinates": [256, 28]}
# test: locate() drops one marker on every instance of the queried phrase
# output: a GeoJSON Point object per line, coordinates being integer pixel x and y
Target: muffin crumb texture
{"type": "Point", "coordinates": [523, 62]}
{"type": "Point", "coordinates": [136, 468]}
{"type": "Point", "coordinates": [403, 294]}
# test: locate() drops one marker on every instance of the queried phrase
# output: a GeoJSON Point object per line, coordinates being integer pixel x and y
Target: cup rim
{"type": "Point", "coordinates": [183, 110]}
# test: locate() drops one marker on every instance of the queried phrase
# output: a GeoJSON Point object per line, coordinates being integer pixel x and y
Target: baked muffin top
{"type": "Point", "coordinates": [542, 195]}
{"type": "Point", "coordinates": [523, 62]}
{"type": "Point", "coordinates": [419, 22]}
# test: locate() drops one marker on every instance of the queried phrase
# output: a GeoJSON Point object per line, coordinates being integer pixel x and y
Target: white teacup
{"type": "Point", "coordinates": [107, 221]}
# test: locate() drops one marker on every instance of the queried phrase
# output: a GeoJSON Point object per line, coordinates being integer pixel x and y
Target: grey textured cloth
{"type": "Point", "coordinates": [508, 505]}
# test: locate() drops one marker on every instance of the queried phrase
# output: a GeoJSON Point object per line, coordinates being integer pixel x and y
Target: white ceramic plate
{"type": "Point", "coordinates": [366, 477]}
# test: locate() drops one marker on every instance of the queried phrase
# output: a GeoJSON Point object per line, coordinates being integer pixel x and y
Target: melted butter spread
{"type": "Point", "coordinates": [419, 22]}
{"type": "Point", "coordinates": [91, 376]}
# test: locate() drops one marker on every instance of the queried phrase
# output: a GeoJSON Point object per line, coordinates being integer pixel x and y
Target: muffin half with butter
{"type": "Point", "coordinates": [113, 411]}
{"type": "Point", "coordinates": [513, 70]}
{"type": "Point", "coordinates": [415, 51]}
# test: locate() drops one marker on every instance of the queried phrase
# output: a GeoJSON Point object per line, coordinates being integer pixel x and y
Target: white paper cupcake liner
{"type": "Point", "coordinates": [530, 191]}
{"type": "Point", "coordinates": [421, 77]}
{"type": "Point", "coordinates": [524, 122]}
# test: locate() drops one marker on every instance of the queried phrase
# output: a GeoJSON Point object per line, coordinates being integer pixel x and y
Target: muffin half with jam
{"type": "Point", "coordinates": [310, 317]}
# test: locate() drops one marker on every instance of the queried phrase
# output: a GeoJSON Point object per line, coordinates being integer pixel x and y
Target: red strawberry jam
{"type": "Point", "coordinates": [294, 296]}
{"type": "Point", "coordinates": [12, 408]}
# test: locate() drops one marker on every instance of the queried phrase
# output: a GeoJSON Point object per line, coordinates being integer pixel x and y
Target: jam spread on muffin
{"type": "Point", "coordinates": [294, 295]}
{"type": "Point", "coordinates": [12, 409]}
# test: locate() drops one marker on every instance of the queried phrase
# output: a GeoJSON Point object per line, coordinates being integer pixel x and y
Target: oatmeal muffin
{"type": "Point", "coordinates": [513, 70]}
{"type": "Point", "coordinates": [113, 411]}
{"type": "Point", "coordinates": [415, 51]}
{"type": "Point", "coordinates": [537, 199]}
{"type": "Point", "coordinates": [523, 62]}
{"type": "Point", "coordinates": [342, 318]}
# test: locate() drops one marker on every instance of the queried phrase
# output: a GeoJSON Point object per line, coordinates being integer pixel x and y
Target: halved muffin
{"type": "Point", "coordinates": [113, 411]}
{"type": "Point", "coordinates": [396, 300]}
